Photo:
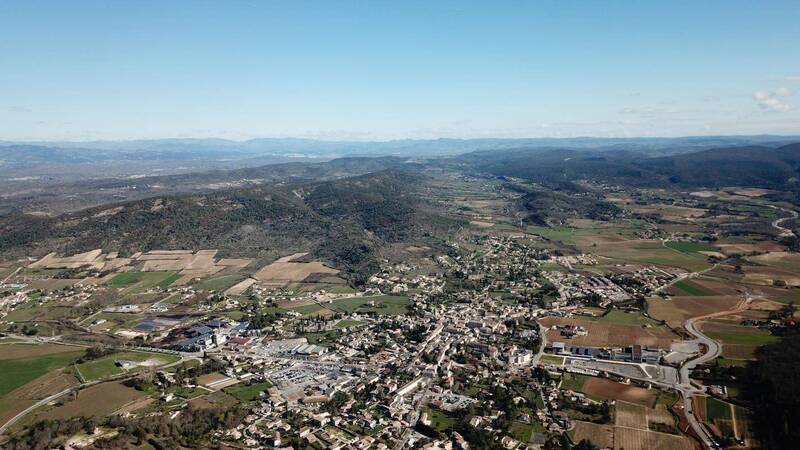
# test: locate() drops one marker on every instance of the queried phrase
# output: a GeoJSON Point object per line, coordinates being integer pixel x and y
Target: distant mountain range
{"type": "Point", "coordinates": [183, 149]}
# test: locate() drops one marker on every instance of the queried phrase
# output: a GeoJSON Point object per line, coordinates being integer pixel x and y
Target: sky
{"type": "Point", "coordinates": [379, 70]}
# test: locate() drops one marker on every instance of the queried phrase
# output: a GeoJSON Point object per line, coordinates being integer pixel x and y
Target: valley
{"type": "Point", "coordinates": [400, 303]}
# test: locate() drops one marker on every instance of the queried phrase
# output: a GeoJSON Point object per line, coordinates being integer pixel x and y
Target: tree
{"type": "Point", "coordinates": [585, 444]}
{"type": "Point", "coordinates": [773, 389]}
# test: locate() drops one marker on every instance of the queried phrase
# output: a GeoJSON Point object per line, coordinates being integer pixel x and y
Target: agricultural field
{"type": "Point", "coordinates": [604, 389]}
{"type": "Point", "coordinates": [23, 363]}
{"type": "Point", "coordinates": [690, 289]}
{"type": "Point", "coordinates": [220, 283]}
{"type": "Point", "coordinates": [635, 439]}
{"type": "Point", "coordinates": [619, 317]}
{"type": "Point", "coordinates": [649, 252]}
{"type": "Point", "coordinates": [677, 310]}
{"type": "Point", "coordinates": [690, 247]}
{"type": "Point", "coordinates": [600, 435]}
{"type": "Point", "coordinates": [285, 270]}
{"type": "Point", "coordinates": [631, 429]}
{"type": "Point", "coordinates": [779, 260]}
{"type": "Point", "coordinates": [724, 418]}
{"type": "Point", "coordinates": [96, 401]}
{"type": "Point", "coordinates": [381, 305]}
{"type": "Point", "coordinates": [602, 333]}
{"type": "Point", "coordinates": [107, 366]}
{"type": "Point", "coordinates": [247, 392]}
{"type": "Point", "coordinates": [738, 342]}
{"type": "Point", "coordinates": [771, 276]}
{"type": "Point", "coordinates": [631, 415]}
{"type": "Point", "coordinates": [140, 281]}
{"type": "Point", "coordinates": [29, 373]}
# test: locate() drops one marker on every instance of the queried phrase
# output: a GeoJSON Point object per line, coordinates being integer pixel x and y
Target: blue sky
{"type": "Point", "coordinates": [82, 70]}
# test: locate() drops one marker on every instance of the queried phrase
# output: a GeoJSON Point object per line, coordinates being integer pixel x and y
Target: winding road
{"type": "Point", "coordinates": [783, 231]}
{"type": "Point", "coordinates": [685, 386]}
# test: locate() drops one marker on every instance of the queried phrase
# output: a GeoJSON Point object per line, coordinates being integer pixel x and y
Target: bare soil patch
{"type": "Point", "coordinates": [611, 390]}
{"type": "Point", "coordinates": [631, 416]}
{"type": "Point", "coordinates": [633, 439]}
{"type": "Point", "coordinates": [44, 386]}
{"type": "Point", "coordinates": [743, 249]}
{"type": "Point", "coordinates": [678, 309]}
{"type": "Point", "coordinates": [286, 272]}
{"type": "Point", "coordinates": [240, 287]}
{"type": "Point", "coordinates": [600, 435]}
{"type": "Point", "coordinates": [769, 276]}
{"type": "Point", "coordinates": [606, 334]}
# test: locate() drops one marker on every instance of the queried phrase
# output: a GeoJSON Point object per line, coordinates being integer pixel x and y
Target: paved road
{"type": "Point", "coordinates": [686, 388]}
{"type": "Point", "coordinates": [84, 385]}
{"type": "Point", "coordinates": [783, 231]}
{"type": "Point", "coordinates": [682, 276]}
{"type": "Point", "coordinates": [401, 443]}
{"type": "Point", "coordinates": [542, 344]}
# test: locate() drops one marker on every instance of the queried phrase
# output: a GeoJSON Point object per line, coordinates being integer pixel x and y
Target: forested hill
{"type": "Point", "coordinates": [50, 198]}
{"type": "Point", "coordinates": [345, 221]}
{"type": "Point", "coordinates": [757, 166]}
{"type": "Point", "coordinates": [741, 166]}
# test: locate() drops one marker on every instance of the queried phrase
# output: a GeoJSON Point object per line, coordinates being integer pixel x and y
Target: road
{"type": "Point", "coordinates": [783, 231]}
{"type": "Point", "coordinates": [11, 275]}
{"type": "Point", "coordinates": [686, 388]}
{"type": "Point", "coordinates": [423, 400]}
{"type": "Point", "coordinates": [77, 388]}
{"type": "Point", "coordinates": [30, 409]}
{"type": "Point", "coordinates": [542, 344]}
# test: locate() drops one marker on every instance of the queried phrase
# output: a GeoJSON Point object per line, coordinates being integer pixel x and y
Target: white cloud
{"type": "Point", "coordinates": [772, 101]}
{"type": "Point", "coordinates": [793, 78]}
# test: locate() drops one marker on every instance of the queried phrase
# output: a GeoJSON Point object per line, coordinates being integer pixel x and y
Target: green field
{"type": "Point", "coordinates": [384, 305]}
{"type": "Point", "coordinates": [716, 409]}
{"type": "Point", "coordinates": [573, 382]}
{"type": "Point", "coordinates": [246, 392]}
{"type": "Point", "coordinates": [728, 362]}
{"type": "Point", "coordinates": [561, 234]}
{"type": "Point", "coordinates": [523, 431]}
{"type": "Point", "coordinates": [144, 280]}
{"type": "Point", "coordinates": [692, 289]}
{"type": "Point", "coordinates": [742, 338]}
{"type": "Point", "coordinates": [691, 247]}
{"type": "Point", "coordinates": [685, 261]}
{"type": "Point", "coordinates": [20, 371]}
{"type": "Point", "coordinates": [322, 337]}
{"type": "Point", "coordinates": [344, 323]}
{"type": "Point", "coordinates": [126, 278]}
{"type": "Point", "coordinates": [440, 420]}
{"type": "Point", "coordinates": [106, 366]}
{"type": "Point", "coordinates": [552, 359]}
{"type": "Point", "coordinates": [169, 280]}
